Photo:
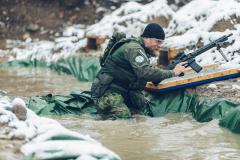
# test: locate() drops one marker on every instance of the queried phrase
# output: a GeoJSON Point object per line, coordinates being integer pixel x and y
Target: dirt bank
{"type": "Point", "coordinates": [10, 149]}
{"type": "Point", "coordinates": [41, 19]}
{"type": "Point", "coordinates": [45, 19]}
{"type": "Point", "coordinates": [228, 89]}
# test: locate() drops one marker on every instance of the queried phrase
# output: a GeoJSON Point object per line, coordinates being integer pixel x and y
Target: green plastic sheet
{"type": "Point", "coordinates": [83, 68]}
{"type": "Point", "coordinates": [205, 110]}
{"type": "Point", "coordinates": [231, 120]}
{"type": "Point", "coordinates": [171, 102]}
{"type": "Point", "coordinates": [80, 103]}
{"type": "Point", "coordinates": [77, 103]}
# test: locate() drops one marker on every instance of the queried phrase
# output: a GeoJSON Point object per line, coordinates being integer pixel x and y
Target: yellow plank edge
{"type": "Point", "coordinates": [200, 77]}
{"type": "Point", "coordinates": [207, 67]}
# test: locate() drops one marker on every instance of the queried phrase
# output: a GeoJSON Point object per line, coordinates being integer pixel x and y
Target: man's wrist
{"type": "Point", "coordinates": [173, 73]}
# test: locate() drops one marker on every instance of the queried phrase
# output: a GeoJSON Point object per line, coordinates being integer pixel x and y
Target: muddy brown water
{"type": "Point", "coordinates": [37, 81]}
{"type": "Point", "coordinates": [174, 136]}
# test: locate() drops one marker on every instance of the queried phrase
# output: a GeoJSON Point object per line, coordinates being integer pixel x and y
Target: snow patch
{"type": "Point", "coordinates": [235, 87]}
{"type": "Point", "coordinates": [46, 138]}
{"type": "Point", "coordinates": [212, 86]}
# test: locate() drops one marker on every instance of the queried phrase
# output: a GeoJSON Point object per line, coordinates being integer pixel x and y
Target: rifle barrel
{"type": "Point", "coordinates": [210, 45]}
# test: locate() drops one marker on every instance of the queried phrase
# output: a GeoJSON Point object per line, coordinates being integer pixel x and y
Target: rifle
{"type": "Point", "coordinates": [190, 58]}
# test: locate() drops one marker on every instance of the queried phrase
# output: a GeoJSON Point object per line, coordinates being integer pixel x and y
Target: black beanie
{"type": "Point", "coordinates": [153, 30]}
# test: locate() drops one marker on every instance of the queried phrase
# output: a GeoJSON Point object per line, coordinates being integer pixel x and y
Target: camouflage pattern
{"type": "Point", "coordinates": [114, 105]}
{"type": "Point", "coordinates": [129, 69]}
{"type": "Point", "coordinates": [137, 103]}
{"type": "Point", "coordinates": [111, 106]}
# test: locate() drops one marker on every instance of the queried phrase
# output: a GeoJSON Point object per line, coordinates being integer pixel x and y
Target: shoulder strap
{"type": "Point", "coordinates": [116, 46]}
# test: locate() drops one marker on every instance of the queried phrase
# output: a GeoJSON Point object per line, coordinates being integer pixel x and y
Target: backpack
{"type": "Point", "coordinates": [117, 40]}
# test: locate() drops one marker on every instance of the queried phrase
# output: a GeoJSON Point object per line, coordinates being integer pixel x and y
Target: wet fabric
{"type": "Point", "coordinates": [205, 110]}
{"type": "Point", "coordinates": [24, 63]}
{"type": "Point", "coordinates": [83, 68]}
{"type": "Point", "coordinates": [172, 102]}
{"type": "Point", "coordinates": [231, 120]}
{"type": "Point", "coordinates": [62, 144]}
{"type": "Point", "coordinates": [77, 103]}
{"type": "Point", "coordinates": [80, 103]}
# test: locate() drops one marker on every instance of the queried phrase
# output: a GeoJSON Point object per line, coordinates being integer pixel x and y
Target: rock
{"type": "Point", "coordinates": [2, 24]}
{"type": "Point", "coordinates": [235, 87]}
{"type": "Point", "coordinates": [26, 36]}
{"type": "Point", "coordinates": [212, 86]}
{"type": "Point", "coordinates": [21, 136]}
{"type": "Point", "coordinates": [2, 93]}
{"type": "Point", "coordinates": [4, 13]}
{"type": "Point", "coordinates": [57, 34]}
{"type": "Point", "coordinates": [19, 109]}
{"type": "Point", "coordinates": [71, 3]}
{"type": "Point", "coordinates": [51, 32]}
{"type": "Point", "coordinates": [33, 27]}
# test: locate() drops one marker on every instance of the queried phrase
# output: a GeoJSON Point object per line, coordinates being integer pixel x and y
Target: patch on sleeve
{"type": "Point", "coordinates": [139, 59]}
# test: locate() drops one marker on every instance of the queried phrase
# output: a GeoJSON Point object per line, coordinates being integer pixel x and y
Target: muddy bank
{"type": "Point", "coordinates": [10, 149]}
{"type": "Point", "coordinates": [21, 19]}
{"type": "Point", "coordinates": [228, 89]}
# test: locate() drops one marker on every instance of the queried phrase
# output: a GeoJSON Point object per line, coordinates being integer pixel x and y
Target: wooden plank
{"type": "Point", "coordinates": [172, 53]}
{"type": "Point", "coordinates": [195, 78]}
{"type": "Point", "coordinates": [100, 40]}
{"type": "Point", "coordinates": [204, 68]}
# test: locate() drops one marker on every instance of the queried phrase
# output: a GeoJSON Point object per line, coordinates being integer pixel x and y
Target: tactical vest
{"type": "Point", "coordinates": [121, 70]}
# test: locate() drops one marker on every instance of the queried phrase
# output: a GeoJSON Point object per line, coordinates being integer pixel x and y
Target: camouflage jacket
{"type": "Point", "coordinates": [130, 65]}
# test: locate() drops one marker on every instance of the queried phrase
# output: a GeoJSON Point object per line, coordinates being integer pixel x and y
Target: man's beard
{"type": "Point", "coordinates": [153, 52]}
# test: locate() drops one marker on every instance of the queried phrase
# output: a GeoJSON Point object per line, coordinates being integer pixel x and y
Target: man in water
{"type": "Point", "coordinates": [117, 89]}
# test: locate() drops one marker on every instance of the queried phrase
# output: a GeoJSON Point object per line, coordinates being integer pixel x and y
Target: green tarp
{"type": "Point", "coordinates": [83, 68]}
{"type": "Point", "coordinates": [77, 103]}
{"type": "Point", "coordinates": [80, 103]}
{"type": "Point", "coordinates": [231, 120]}
{"type": "Point", "coordinates": [24, 63]}
{"type": "Point", "coordinates": [171, 102]}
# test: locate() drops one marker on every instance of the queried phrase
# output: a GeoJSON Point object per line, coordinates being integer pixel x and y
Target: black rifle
{"type": "Point", "coordinates": [189, 58]}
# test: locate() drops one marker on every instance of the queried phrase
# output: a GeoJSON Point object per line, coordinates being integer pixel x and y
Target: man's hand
{"type": "Point", "coordinates": [179, 68]}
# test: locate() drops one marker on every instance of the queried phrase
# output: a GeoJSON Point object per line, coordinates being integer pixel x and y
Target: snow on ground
{"type": "Point", "coordinates": [202, 15]}
{"type": "Point", "coordinates": [131, 18]}
{"type": "Point", "coordinates": [48, 139]}
{"type": "Point", "coordinates": [198, 22]}
{"type": "Point", "coordinates": [235, 87]}
{"type": "Point", "coordinates": [70, 43]}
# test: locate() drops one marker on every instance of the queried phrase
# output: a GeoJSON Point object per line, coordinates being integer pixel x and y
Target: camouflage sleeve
{"type": "Point", "coordinates": [141, 66]}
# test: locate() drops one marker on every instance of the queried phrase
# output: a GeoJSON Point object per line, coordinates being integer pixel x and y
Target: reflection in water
{"type": "Point", "coordinates": [174, 136]}
{"type": "Point", "coordinates": [37, 81]}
